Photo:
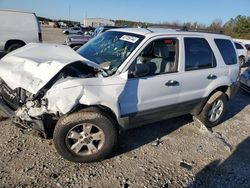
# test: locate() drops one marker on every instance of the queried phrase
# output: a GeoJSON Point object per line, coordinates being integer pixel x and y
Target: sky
{"type": "Point", "coordinates": [153, 11]}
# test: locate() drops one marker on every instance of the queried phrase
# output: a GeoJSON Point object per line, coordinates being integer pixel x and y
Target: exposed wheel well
{"type": "Point", "coordinates": [10, 42]}
{"type": "Point", "coordinates": [225, 89]}
{"type": "Point", "coordinates": [98, 108]}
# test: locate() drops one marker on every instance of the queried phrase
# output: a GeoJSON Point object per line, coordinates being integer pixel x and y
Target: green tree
{"type": "Point", "coordinates": [238, 27]}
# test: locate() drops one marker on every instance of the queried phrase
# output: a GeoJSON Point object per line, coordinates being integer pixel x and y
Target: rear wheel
{"type": "Point", "coordinates": [213, 110]}
{"type": "Point", "coordinates": [85, 137]}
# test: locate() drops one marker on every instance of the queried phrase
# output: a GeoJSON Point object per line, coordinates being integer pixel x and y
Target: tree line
{"type": "Point", "coordinates": [238, 27]}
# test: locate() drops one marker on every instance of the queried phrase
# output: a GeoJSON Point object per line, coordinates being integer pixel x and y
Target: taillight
{"type": "Point", "coordinates": [40, 36]}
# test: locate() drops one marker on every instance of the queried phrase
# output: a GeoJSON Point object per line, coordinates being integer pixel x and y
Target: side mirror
{"type": "Point", "coordinates": [141, 70]}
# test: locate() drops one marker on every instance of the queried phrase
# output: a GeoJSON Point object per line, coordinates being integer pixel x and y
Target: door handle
{"type": "Point", "coordinates": [172, 83]}
{"type": "Point", "coordinates": [211, 77]}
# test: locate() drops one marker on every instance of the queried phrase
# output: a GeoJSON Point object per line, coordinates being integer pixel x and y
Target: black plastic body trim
{"type": "Point", "coordinates": [194, 107]}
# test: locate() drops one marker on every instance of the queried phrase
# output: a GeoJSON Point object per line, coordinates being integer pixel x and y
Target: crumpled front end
{"type": "Point", "coordinates": [29, 72]}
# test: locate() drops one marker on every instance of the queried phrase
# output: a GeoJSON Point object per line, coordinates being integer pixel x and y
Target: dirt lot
{"type": "Point", "coordinates": [186, 155]}
{"type": "Point", "coordinates": [53, 35]}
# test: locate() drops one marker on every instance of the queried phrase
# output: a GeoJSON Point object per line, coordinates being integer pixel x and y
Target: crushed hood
{"type": "Point", "coordinates": [34, 65]}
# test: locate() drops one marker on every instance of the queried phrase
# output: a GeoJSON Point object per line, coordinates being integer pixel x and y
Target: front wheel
{"type": "Point", "coordinates": [214, 110]}
{"type": "Point", "coordinates": [85, 137]}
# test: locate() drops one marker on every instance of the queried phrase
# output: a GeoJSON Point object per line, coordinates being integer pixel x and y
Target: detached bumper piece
{"type": "Point", "coordinates": [36, 127]}
{"type": "Point", "coordinates": [245, 87]}
{"type": "Point", "coordinates": [5, 110]}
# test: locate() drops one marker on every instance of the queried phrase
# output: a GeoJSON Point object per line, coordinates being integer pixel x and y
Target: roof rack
{"type": "Point", "coordinates": [145, 26]}
{"type": "Point", "coordinates": [200, 31]}
{"type": "Point", "coordinates": [185, 28]}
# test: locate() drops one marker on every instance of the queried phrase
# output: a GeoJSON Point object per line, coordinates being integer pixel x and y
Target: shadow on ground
{"type": "Point", "coordinates": [237, 104]}
{"type": "Point", "coordinates": [233, 172]}
{"type": "Point", "coordinates": [135, 138]}
{"type": "Point", "coordinates": [140, 136]}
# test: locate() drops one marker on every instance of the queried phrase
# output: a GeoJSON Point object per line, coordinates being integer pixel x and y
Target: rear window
{"type": "Point", "coordinates": [227, 51]}
{"type": "Point", "coordinates": [238, 46]}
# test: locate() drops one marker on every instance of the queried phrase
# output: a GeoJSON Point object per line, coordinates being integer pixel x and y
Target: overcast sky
{"type": "Point", "coordinates": [202, 11]}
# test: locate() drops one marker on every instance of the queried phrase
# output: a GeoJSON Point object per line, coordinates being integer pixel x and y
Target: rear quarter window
{"type": "Point", "coordinates": [227, 51]}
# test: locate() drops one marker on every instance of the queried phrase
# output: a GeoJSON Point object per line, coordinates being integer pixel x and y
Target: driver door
{"type": "Point", "coordinates": [153, 96]}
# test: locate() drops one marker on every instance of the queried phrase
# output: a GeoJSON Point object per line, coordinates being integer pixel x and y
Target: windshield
{"type": "Point", "coordinates": [110, 49]}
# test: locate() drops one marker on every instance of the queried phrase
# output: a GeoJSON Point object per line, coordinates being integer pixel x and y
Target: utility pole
{"type": "Point", "coordinates": [69, 12]}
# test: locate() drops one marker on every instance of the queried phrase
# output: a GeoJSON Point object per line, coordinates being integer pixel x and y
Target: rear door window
{"type": "Point", "coordinates": [198, 54]}
{"type": "Point", "coordinates": [227, 51]}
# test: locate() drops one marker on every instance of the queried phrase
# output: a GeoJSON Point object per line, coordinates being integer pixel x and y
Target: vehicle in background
{"type": "Point", "coordinates": [247, 47]}
{"type": "Point", "coordinates": [245, 80]}
{"type": "Point", "coordinates": [17, 29]}
{"type": "Point", "coordinates": [73, 30]}
{"type": "Point", "coordinates": [102, 29]}
{"type": "Point", "coordinates": [248, 51]}
{"type": "Point", "coordinates": [87, 30]}
{"type": "Point", "coordinates": [242, 52]}
{"type": "Point", "coordinates": [76, 41]}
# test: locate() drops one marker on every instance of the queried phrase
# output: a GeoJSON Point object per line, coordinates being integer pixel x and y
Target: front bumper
{"type": "Point", "coordinates": [35, 127]}
{"type": "Point", "coordinates": [5, 110]}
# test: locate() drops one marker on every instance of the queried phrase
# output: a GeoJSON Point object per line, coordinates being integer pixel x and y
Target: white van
{"type": "Point", "coordinates": [17, 29]}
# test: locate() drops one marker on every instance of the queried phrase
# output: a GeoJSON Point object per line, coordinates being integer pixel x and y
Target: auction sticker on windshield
{"type": "Point", "coordinates": [129, 38]}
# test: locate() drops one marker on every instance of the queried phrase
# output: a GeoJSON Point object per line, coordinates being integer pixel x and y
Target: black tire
{"type": "Point", "coordinates": [242, 60]}
{"type": "Point", "coordinates": [76, 47]}
{"type": "Point", "coordinates": [204, 115]}
{"type": "Point", "coordinates": [67, 124]}
{"type": "Point", "coordinates": [13, 47]}
{"type": "Point", "coordinates": [66, 33]}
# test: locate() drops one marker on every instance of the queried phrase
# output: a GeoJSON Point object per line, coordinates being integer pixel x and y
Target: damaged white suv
{"type": "Point", "coordinates": [120, 79]}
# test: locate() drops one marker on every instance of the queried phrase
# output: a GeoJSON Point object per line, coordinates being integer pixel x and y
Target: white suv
{"type": "Point", "coordinates": [121, 79]}
{"type": "Point", "coordinates": [242, 52]}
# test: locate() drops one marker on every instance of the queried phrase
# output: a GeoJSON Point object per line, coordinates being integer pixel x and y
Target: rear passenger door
{"type": "Point", "coordinates": [199, 71]}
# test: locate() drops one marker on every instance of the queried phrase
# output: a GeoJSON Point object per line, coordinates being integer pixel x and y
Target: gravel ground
{"type": "Point", "coordinates": [53, 35]}
{"type": "Point", "coordinates": [179, 152]}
